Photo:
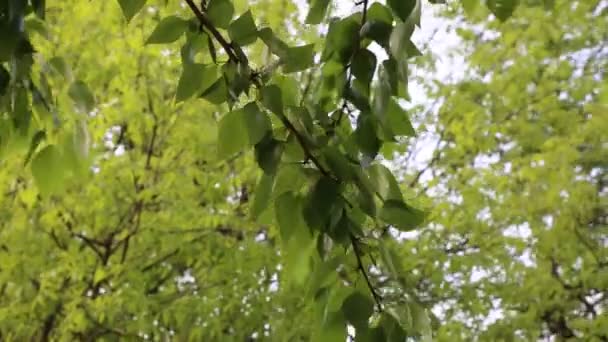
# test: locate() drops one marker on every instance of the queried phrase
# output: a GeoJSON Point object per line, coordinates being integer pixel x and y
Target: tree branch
{"type": "Point", "coordinates": [361, 268]}
{"type": "Point", "coordinates": [206, 23]}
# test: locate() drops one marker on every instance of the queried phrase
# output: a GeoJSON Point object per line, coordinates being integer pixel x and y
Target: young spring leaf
{"type": "Point", "coordinates": [276, 46]}
{"type": "Point", "coordinates": [321, 198]}
{"type": "Point", "coordinates": [268, 154]}
{"type": "Point", "coordinates": [272, 99]}
{"type": "Point", "coordinates": [47, 170]}
{"type": "Point", "coordinates": [364, 65]}
{"type": "Point", "coordinates": [131, 7]}
{"type": "Point", "coordinates": [220, 13]}
{"type": "Point", "coordinates": [194, 79]}
{"type": "Point", "coordinates": [261, 196]}
{"type": "Point", "coordinates": [402, 8]}
{"type": "Point", "coordinates": [168, 30]}
{"type": "Point", "coordinates": [401, 215]}
{"type": "Point", "coordinates": [232, 134]}
{"type": "Point", "coordinates": [317, 11]}
{"type": "Point", "coordinates": [398, 120]}
{"type": "Point", "coordinates": [298, 58]}
{"type": "Point", "coordinates": [384, 183]}
{"type": "Point", "coordinates": [357, 309]}
{"type": "Point", "coordinates": [288, 209]}
{"type": "Point", "coordinates": [243, 30]}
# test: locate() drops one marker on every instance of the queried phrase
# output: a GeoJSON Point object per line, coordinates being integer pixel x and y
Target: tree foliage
{"type": "Point", "coordinates": [197, 170]}
{"type": "Point", "coordinates": [516, 244]}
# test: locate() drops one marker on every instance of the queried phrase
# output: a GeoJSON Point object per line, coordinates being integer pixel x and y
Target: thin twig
{"type": "Point", "coordinates": [361, 268]}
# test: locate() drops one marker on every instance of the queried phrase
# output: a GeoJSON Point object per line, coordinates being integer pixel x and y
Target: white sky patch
{"type": "Point", "coordinates": [521, 231]}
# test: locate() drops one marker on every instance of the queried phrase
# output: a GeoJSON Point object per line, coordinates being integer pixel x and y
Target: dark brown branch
{"type": "Point", "coordinates": [307, 153]}
{"type": "Point", "coordinates": [206, 23]}
{"type": "Point", "coordinates": [363, 272]}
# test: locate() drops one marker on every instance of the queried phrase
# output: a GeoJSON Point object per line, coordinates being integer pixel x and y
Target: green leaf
{"type": "Point", "coordinates": [82, 96]}
{"type": "Point", "coordinates": [317, 11]}
{"type": "Point", "coordinates": [22, 113]}
{"type": "Point", "coordinates": [47, 169]}
{"type": "Point", "coordinates": [365, 136]}
{"type": "Point", "coordinates": [272, 99]}
{"type": "Point", "coordinates": [288, 209]}
{"type": "Point", "coordinates": [131, 7]}
{"type": "Point", "coordinates": [377, 30]}
{"type": "Point", "coordinates": [289, 178]}
{"type": "Point", "coordinates": [469, 6]}
{"type": "Point", "coordinates": [257, 123]}
{"type": "Point", "coordinates": [384, 183]}
{"type": "Point", "coordinates": [232, 134]}
{"type": "Point", "coordinates": [298, 58]}
{"type": "Point", "coordinates": [399, 40]}
{"type": "Point", "coordinates": [5, 79]}
{"type": "Point", "coordinates": [502, 9]}
{"type": "Point", "coordinates": [276, 46]}
{"type": "Point", "coordinates": [217, 93]}
{"type": "Point", "coordinates": [262, 195]}
{"type": "Point", "coordinates": [364, 65]}
{"type": "Point", "coordinates": [243, 30]}
{"type": "Point", "coordinates": [402, 8]}
{"type": "Point", "coordinates": [398, 121]}
{"type": "Point", "coordinates": [392, 328]}
{"type": "Point", "coordinates": [60, 66]}
{"type": "Point", "coordinates": [401, 215]}
{"type": "Point", "coordinates": [422, 323]}
{"type": "Point", "coordinates": [321, 199]}
{"type": "Point", "coordinates": [340, 41]}
{"type": "Point", "coordinates": [36, 140]}
{"type": "Point", "coordinates": [378, 11]}
{"type": "Point", "coordinates": [339, 164]}
{"type": "Point", "coordinates": [195, 44]}
{"type": "Point", "coordinates": [194, 79]}
{"type": "Point", "coordinates": [357, 309]}
{"type": "Point", "coordinates": [240, 129]}
{"type": "Point", "coordinates": [220, 13]}
{"type": "Point", "coordinates": [290, 90]}
{"type": "Point", "coordinates": [268, 154]}
{"type": "Point", "coordinates": [168, 30]}
{"type": "Point", "coordinates": [333, 328]}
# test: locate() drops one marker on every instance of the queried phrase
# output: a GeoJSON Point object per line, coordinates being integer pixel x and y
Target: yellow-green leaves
{"type": "Point", "coordinates": [241, 129]}
{"type": "Point", "coordinates": [131, 7]}
{"type": "Point", "coordinates": [168, 30]}
{"type": "Point", "coordinates": [48, 170]}
{"type": "Point", "coordinates": [243, 30]}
